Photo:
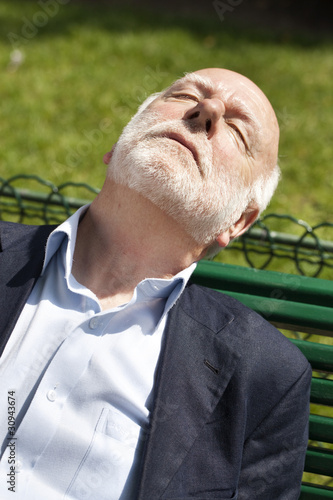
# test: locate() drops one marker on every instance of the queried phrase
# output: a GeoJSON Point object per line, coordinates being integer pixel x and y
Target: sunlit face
{"type": "Point", "coordinates": [239, 123]}
{"type": "Point", "coordinates": [196, 147]}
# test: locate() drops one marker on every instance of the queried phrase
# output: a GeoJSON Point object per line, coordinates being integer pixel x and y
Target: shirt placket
{"type": "Point", "coordinates": [42, 419]}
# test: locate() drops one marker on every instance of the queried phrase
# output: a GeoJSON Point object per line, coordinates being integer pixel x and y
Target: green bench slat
{"type": "Point", "coordinates": [321, 428]}
{"type": "Point", "coordinates": [319, 461]}
{"type": "Point", "coordinates": [270, 284]}
{"type": "Point", "coordinates": [319, 355]}
{"type": "Point", "coordinates": [309, 492]}
{"type": "Point", "coordinates": [322, 391]}
{"type": "Point", "coordinates": [286, 300]}
{"type": "Point", "coordinates": [289, 315]}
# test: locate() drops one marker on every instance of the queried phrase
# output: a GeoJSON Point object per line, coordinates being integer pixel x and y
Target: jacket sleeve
{"type": "Point", "coordinates": [274, 454]}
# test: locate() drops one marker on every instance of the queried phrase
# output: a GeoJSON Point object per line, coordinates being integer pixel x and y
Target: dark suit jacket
{"type": "Point", "coordinates": [231, 393]}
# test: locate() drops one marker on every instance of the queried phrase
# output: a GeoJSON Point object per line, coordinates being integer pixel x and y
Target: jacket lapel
{"type": "Point", "coordinates": [21, 260]}
{"type": "Point", "coordinates": [197, 361]}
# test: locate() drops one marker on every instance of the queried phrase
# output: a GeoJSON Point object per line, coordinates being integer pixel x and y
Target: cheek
{"type": "Point", "coordinates": [167, 110]}
{"type": "Point", "coordinates": [229, 164]}
{"type": "Point", "coordinates": [223, 158]}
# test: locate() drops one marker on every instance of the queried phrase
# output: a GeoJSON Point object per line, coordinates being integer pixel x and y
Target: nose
{"type": "Point", "coordinates": [206, 114]}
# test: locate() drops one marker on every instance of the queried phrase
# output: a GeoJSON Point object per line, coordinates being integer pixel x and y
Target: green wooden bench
{"type": "Point", "coordinates": [300, 304]}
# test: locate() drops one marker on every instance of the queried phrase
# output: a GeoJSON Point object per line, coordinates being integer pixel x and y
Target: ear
{"type": "Point", "coordinates": [107, 156]}
{"type": "Point", "coordinates": [241, 226]}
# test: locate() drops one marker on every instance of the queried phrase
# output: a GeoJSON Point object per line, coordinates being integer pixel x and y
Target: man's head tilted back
{"type": "Point", "coordinates": [204, 151]}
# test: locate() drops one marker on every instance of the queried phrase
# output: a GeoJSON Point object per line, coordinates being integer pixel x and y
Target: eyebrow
{"type": "Point", "coordinates": [203, 83]}
{"type": "Point", "coordinates": [243, 109]}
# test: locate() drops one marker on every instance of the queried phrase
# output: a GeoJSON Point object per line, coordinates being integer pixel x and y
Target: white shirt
{"type": "Point", "coordinates": [81, 380]}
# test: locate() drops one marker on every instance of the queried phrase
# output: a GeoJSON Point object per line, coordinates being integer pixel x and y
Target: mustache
{"type": "Point", "coordinates": [187, 134]}
{"type": "Point", "coordinates": [189, 131]}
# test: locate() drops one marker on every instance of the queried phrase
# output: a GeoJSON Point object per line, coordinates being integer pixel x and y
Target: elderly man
{"type": "Point", "coordinates": [127, 381]}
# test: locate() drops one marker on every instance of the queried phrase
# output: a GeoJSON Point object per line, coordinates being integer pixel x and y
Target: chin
{"type": "Point", "coordinates": [173, 189]}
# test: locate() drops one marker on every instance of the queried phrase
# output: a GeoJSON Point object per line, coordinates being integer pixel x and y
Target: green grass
{"type": "Point", "coordinates": [87, 69]}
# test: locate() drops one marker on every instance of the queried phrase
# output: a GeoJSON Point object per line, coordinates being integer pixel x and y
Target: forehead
{"type": "Point", "coordinates": [234, 91]}
{"type": "Point", "coordinates": [224, 84]}
{"type": "Point", "coordinates": [201, 82]}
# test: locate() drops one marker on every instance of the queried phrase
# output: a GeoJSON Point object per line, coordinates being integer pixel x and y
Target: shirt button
{"type": "Point", "coordinates": [51, 395]}
{"type": "Point", "coordinates": [93, 323]}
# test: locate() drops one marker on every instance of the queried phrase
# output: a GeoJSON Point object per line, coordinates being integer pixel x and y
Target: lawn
{"type": "Point", "coordinates": [71, 80]}
{"type": "Point", "coordinates": [74, 73]}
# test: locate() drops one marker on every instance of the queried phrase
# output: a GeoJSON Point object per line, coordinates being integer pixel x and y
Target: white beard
{"type": "Point", "coordinates": [201, 199]}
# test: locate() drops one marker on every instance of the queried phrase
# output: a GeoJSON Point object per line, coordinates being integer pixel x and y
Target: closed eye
{"type": "Point", "coordinates": [185, 97]}
{"type": "Point", "coordinates": [238, 132]}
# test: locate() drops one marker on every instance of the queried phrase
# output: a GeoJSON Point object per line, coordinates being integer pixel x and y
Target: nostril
{"type": "Point", "coordinates": [208, 125]}
{"type": "Point", "coordinates": [195, 115]}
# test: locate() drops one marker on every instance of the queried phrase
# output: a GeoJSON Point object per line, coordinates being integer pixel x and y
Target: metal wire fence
{"type": "Point", "coordinates": [32, 200]}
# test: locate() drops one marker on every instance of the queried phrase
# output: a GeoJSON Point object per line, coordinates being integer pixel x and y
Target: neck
{"type": "Point", "coordinates": [123, 239]}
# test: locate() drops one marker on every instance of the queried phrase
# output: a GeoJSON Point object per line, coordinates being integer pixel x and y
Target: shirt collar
{"type": "Point", "coordinates": [69, 229]}
{"type": "Point", "coordinates": [152, 288]}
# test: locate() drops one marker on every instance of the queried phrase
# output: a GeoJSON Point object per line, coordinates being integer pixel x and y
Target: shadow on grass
{"type": "Point", "coordinates": [22, 20]}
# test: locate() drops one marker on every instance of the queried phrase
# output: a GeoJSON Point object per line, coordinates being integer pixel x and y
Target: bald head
{"type": "Point", "coordinates": [237, 92]}
{"type": "Point", "coordinates": [248, 94]}
{"type": "Point", "coordinates": [204, 150]}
